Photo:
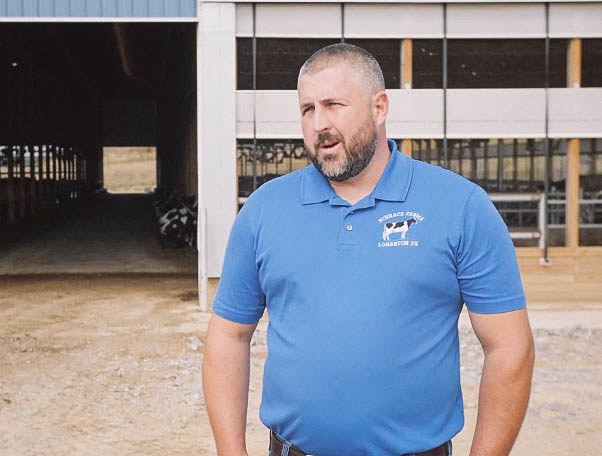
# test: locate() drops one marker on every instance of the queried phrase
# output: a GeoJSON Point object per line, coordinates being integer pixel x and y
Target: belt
{"type": "Point", "coordinates": [276, 444]}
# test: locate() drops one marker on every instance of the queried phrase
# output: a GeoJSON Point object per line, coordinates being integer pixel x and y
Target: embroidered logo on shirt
{"type": "Point", "coordinates": [394, 232]}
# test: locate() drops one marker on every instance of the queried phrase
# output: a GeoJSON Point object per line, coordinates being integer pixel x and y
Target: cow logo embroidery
{"type": "Point", "coordinates": [395, 231]}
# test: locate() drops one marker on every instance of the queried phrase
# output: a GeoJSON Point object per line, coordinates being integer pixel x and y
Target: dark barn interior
{"type": "Point", "coordinates": [67, 91]}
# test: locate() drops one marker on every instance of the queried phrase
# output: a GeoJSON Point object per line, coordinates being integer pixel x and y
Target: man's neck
{"type": "Point", "coordinates": [354, 189]}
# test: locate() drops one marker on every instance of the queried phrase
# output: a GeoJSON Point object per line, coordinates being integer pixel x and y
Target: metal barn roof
{"type": "Point", "coordinates": [98, 8]}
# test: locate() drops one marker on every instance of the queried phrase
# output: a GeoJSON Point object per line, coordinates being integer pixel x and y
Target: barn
{"type": "Point", "coordinates": [507, 95]}
{"type": "Point", "coordinates": [79, 81]}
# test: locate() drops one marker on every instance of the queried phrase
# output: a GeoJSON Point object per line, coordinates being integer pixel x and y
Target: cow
{"type": "Point", "coordinates": [177, 220]}
{"type": "Point", "coordinates": [397, 227]}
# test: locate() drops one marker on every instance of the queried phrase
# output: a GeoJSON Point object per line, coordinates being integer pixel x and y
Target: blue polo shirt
{"type": "Point", "coordinates": [363, 303]}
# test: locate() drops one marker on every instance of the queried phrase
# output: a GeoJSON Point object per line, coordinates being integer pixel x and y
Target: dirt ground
{"type": "Point", "coordinates": [112, 366]}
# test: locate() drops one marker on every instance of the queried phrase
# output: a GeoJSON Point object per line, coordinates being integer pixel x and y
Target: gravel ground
{"type": "Point", "coordinates": [112, 366]}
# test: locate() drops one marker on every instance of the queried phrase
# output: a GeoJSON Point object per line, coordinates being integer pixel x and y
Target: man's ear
{"type": "Point", "coordinates": [380, 107]}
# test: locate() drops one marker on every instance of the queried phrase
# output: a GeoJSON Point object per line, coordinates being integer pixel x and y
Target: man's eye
{"type": "Point", "coordinates": [307, 109]}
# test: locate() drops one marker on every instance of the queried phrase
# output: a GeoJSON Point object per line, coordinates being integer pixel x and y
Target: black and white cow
{"type": "Point", "coordinates": [177, 219]}
{"type": "Point", "coordinates": [397, 227]}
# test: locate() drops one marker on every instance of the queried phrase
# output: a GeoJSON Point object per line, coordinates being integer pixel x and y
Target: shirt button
{"type": "Point", "coordinates": [349, 227]}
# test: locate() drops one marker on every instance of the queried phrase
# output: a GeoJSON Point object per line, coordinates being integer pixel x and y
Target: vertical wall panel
{"type": "Point", "coordinates": [217, 127]}
{"type": "Point", "coordinates": [140, 8]}
{"type": "Point", "coordinates": [244, 19]}
{"type": "Point", "coordinates": [187, 8]}
{"type": "Point", "coordinates": [496, 20]}
{"type": "Point", "coordinates": [78, 8]}
{"type": "Point", "coordinates": [298, 20]}
{"type": "Point", "coordinates": [98, 8]}
{"type": "Point", "coordinates": [491, 113]}
{"type": "Point", "coordinates": [109, 8]}
{"type": "Point", "coordinates": [62, 8]}
{"type": "Point", "coordinates": [171, 8]}
{"type": "Point", "coordinates": [125, 8]}
{"type": "Point", "coordinates": [93, 8]}
{"type": "Point", "coordinates": [245, 107]}
{"type": "Point", "coordinates": [277, 114]}
{"type": "Point", "coordinates": [30, 8]}
{"type": "Point", "coordinates": [14, 8]}
{"type": "Point", "coordinates": [573, 20]}
{"type": "Point", "coordinates": [393, 20]}
{"type": "Point", "coordinates": [47, 9]}
{"type": "Point", "coordinates": [156, 8]}
{"type": "Point", "coordinates": [575, 113]}
{"type": "Point", "coordinates": [415, 113]}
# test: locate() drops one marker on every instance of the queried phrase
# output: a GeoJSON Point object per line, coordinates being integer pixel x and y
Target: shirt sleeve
{"type": "Point", "coordinates": [239, 295]}
{"type": "Point", "coordinates": [487, 267]}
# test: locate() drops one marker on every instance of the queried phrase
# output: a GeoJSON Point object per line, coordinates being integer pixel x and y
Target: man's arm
{"type": "Point", "coordinates": [507, 342]}
{"type": "Point", "coordinates": [226, 383]}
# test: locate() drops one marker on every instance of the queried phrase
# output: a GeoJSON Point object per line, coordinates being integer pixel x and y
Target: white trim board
{"type": "Point", "coordinates": [395, 1]}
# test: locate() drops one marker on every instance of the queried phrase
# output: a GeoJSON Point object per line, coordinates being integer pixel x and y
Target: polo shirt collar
{"type": "Point", "coordinates": [393, 184]}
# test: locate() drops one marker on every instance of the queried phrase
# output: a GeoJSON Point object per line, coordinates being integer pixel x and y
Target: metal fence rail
{"type": "Point", "coordinates": [539, 233]}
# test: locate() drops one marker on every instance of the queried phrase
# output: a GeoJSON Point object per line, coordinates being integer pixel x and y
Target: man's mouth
{"type": "Point", "coordinates": [329, 145]}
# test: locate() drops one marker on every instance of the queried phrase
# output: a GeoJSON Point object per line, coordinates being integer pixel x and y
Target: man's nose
{"type": "Point", "coordinates": [321, 121]}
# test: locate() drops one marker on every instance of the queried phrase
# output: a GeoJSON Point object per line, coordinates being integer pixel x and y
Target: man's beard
{"type": "Point", "coordinates": [356, 156]}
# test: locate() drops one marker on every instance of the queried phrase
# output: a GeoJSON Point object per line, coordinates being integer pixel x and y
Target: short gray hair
{"type": "Point", "coordinates": [364, 63]}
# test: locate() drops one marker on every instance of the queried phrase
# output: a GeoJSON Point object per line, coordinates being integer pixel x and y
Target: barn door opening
{"type": "Point", "coordinates": [89, 107]}
{"type": "Point", "coordinates": [130, 169]}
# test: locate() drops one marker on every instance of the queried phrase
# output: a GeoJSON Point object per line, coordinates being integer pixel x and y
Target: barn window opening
{"type": "Point", "coordinates": [130, 169]}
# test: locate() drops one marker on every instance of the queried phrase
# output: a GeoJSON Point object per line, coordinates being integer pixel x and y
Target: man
{"type": "Point", "coordinates": [364, 260]}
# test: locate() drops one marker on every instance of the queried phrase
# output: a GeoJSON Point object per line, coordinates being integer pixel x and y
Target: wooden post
{"type": "Point", "coordinates": [40, 183]}
{"type": "Point", "coordinates": [69, 168]}
{"type": "Point", "coordinates": [515, 164]}
{"type": "Point", "coordinates": [500, 164]}
{"type": "Point", "coordinates": [59, 152]}
{"type": "Point", "coordinates": [406, 63]}
{"type": "Point", "coordinates": [47, 186]}
{"type": "Point", "coordinates": [406, 147]}
{"type": "Point", "coordinates": [406, 83]}
{"type": "Point", "coordinates": [33, 196]}
{"type": "Point", "coordinates": [69, 171]}
{"type": "Point", "coordinates": [486, 161]}
{"type": "Point", "coordinates": [54, 175]}
{"type": "Point", "coordinates": [22, 192]}
{"type": "Point", "coordinates": [473, 161]}
{"type": "Point", "coordinates": [572, 194]}
{"type": "Point", "coordinates": [573, 61]}
{"type": "Point", "coordinates": [11, 189]}
{"type": "Point", "coordinates": [593, 151]}
{"type": "Point", "coordinates": [47, 162]}
{"type": "Point", "coordinates": [76, 172]}
{"type": "Point", "coordinates": [571, 234]}
{"type": "Point", "coordinates": [72, 171]}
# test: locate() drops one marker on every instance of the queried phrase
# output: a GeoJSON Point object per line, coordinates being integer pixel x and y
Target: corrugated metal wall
{"type": "Point", "coordinates": [98, 8]}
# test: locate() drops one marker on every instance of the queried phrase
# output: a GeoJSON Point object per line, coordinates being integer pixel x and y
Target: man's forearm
{"type": "Point", "coordinates": [503, 398]}
{"type": "Point", "coordinates": [226, 391]}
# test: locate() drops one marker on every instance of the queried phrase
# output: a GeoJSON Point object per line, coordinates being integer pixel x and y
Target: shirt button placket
{"type": "Point", "coordinates": [346, 237]}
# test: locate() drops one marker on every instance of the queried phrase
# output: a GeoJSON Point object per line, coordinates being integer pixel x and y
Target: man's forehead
{"type": "Point", "coordinates": [329, 82]}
